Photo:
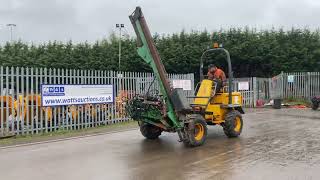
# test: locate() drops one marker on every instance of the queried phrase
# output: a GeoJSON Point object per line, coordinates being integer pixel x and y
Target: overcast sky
{"type": "Point", "coordinates": [90, 20]}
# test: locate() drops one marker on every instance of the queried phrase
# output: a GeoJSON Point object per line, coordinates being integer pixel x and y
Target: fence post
{"type": "Point", "coordinates": [281, 85]}
{"type": "Point", "coordinates": [2, 107]}
{"type": "Point", "coordinates": [255, 91]}
{"type": "Point", "coordinates": [308, 86]}
{"type": "Point", "coordinates": [270, 92]}
{"type": "Point", "coordinates": [192, 84]}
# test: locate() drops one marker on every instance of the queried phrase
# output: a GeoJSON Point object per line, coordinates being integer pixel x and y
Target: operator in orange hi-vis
{"type": "Point", "coordinates": [216, 74]}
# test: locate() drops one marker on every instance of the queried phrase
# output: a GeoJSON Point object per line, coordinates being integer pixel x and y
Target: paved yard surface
{"type": "Point", "coordinates": [275, 144]}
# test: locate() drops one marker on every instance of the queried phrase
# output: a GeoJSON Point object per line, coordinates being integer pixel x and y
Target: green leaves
{"type": "Point", "coordinates": [253, 53]}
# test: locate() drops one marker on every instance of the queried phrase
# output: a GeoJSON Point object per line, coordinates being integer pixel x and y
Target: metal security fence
{"type": "Point", "coordinates": [276, 87]}
{"type": "Point", "coordinates": [20, 99]}
{"type": "Point", "coordinates": [296, 85]}
{"type": "Point", "coordinates": [285, 85]}
{"type": "Point", "coordinates": [255, 89]}
{"type": "Point", "coordinates": [247, 93]}
{"type": "Point", "coordinates": [299, 84]}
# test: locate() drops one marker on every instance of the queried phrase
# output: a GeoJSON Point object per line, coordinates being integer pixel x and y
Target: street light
{"type": "Point", "coordinates": [119, 26]}
{"type": "Point", "coordinates": [11, 27]}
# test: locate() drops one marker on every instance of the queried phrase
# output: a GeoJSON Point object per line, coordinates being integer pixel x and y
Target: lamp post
{"type": "Point", "coordinates": [11, 29]}
{"type": "Point", "coordinates": [119, 26]}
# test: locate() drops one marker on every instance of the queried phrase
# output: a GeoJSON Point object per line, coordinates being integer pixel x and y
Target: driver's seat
{"type": "Point", "coordinates": [206, 90]}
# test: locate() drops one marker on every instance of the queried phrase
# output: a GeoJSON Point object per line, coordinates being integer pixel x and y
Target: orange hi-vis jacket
{"type": "Point", "coordinates": [218, 74]}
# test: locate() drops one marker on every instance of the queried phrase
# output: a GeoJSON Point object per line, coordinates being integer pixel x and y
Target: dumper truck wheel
{"type": "Point", "coordinates": [150, 131]}
{"type": "Point", "coordinates": [315, 105]}
{"type": "Point", "coordinates": [196, 131]}
{"type": "Point", "coordinates": [233, 124]}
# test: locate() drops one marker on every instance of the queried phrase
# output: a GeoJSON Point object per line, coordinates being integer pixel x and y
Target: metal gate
{"type": "Point", "coordinates": [300, 84]}
{"type": "Point", "coordinates": [295, 85]}
{"type": "Point", "coordinates": [285, 85]}
{"type": "Point", "coordinates": [254, 89]}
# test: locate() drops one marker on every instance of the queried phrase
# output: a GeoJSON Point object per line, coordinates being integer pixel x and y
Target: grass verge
{"type": "Point", "coordinates": [297, 101]}
{"type": "Point", "coordinates": [60, 134]}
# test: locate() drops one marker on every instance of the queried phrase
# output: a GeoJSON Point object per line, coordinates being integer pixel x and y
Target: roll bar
{"type": "Point", "coordinates": [230, 79]}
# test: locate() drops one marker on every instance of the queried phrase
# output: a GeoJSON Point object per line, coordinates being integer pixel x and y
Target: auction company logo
{"type": "Point", "coordinates": [53, 91]}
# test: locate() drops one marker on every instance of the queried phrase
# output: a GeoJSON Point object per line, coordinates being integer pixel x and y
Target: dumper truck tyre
{"type": "Point", "coordinates": [149, 131]}
{"type": "Point", "coordinates": [233, 124]}
{"type": "Point", "coordinates": [315, 105]}
{"type": "Point", "coordinates": [196, 131]}
{"type": "Point", "coordinates": [315, 102]}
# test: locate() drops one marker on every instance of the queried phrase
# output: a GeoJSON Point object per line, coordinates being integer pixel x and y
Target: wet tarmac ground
{"type": "Point", "coordinates": [275, 144]}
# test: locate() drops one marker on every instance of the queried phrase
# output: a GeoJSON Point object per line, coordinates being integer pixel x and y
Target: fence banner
{"type": "Point", "coordinates": [184, 84]}
{"type": "Point", "coordinates": [290, 78]}
{"type": "Point", "coordinates": [244, 85]}
{"type": "Point", "coordinates": [58, 95]}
